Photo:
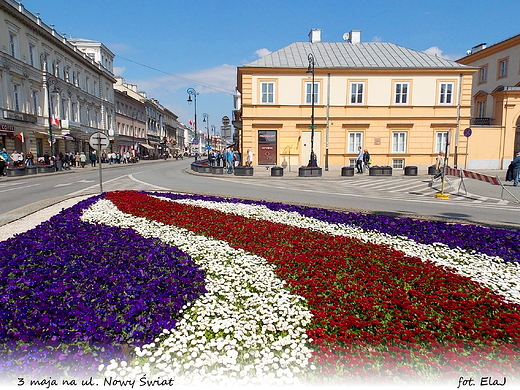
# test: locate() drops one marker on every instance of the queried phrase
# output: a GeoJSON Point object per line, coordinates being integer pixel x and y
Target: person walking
{"type": "Point", "coordinates": [83, 159]}
{"type": "Point", "coordinates": [249, 158]}
{"type": "Point", "coordinates": [92, 159]}
{"type": "Point", "coordinates": [366, 160]}
{"type": "Point", "coordinates": [359, 160]}
{"type": "Point", "coordinates": [230, 156]}
{"type": "Point", "coordinates": [5, 158]}
{"type": "Point", "coordinates": [516, 169]}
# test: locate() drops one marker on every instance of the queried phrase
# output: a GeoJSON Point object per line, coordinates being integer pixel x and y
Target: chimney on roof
{"type": "Point", "coordinates": [479, 47]}
{"type": "Point", "coordinates": [315, 35]}
{"type": "Point", "coordinates": [355, 36]}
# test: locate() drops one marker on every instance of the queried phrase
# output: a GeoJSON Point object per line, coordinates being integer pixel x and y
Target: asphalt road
{"type": "Point", "coordinates": [469, 200]}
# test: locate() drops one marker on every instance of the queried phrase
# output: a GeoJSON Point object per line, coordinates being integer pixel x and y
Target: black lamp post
{"type": "Point", "coordinates": [192, 92]}
{"type": "Point", "coordinates": [310, 70]}
{"type": "Point", "coordinates": [206, 121]}
{"type": "Point", "coordinates": [48, 81]}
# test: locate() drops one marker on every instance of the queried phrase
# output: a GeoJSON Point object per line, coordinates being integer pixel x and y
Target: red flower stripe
{"type": "Point", "coordinates": [376, 312]}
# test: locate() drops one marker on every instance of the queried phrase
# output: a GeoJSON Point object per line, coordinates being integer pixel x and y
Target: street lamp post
{"type": "Point", "coordinates": [48, 81]}
{"type": "Point", "coordinates": [206, 121]}
{"type": "Point", "coordinates": [192, 92]}
{"type": "Point", "coordinates": [310, 70]}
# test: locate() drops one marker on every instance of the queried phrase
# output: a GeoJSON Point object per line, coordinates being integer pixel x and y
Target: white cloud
{"type": "Point", "coordinates": [262, 52]}
{"type": "Point", "coordinates": [119, 70]}
{"type": "Point", "coordinates": [436, 51]}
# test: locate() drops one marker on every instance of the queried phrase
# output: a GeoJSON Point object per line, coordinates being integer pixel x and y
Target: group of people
{"type": "Point", "coordinates": [119, 158]}
{"type": "Point", "coordinates": [14, 160]}
{"type": "Point", "coordinates": [363, 160]}
{"type": "Point", "coordinates": [229, 158]}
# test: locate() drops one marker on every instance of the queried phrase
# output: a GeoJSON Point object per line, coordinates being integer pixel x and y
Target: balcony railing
{"type": "Point", "coordinates": [481, 121]}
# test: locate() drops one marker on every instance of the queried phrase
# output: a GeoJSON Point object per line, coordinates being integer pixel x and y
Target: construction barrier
{"type": "Point", "coordinates": [473, 175]}
{"type": "Point", "coordinates": [462, 173]}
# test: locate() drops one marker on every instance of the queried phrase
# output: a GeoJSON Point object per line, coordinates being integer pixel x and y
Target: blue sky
{"type": "Point", "coordinates": [167, 46]}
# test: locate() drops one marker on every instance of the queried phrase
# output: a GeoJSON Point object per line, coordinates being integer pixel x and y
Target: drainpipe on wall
{"type": "Point", "coordinates": [458, 123]}
{"type": "Point", "coordinates": [327, 127]}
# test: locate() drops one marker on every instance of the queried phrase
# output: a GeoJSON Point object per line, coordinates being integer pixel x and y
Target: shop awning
{"type": "Point", "coordinates": [147, 146]}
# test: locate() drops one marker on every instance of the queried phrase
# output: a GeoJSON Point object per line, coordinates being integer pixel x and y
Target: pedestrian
{"type": "Point", "coordinates": [2, 165]}
{"type": "Point", "coordinates": [5, 158]}
{"type": "Point", "coordinates": [516, 169]}
{"type": "Point", "coordinates": [92, 159]}
{"type": "Point", "coordinates": [29, 161]}
{"type": "Point", "coordinates": [367, 160]}
{"type": "Point", "coordinates": [230, 156]}
{"type": "Point", "coordinates": [15, 158]}
{"type": "Point", "coordinates": [249, 158]}
{"type": "Point", "coordinates": [359, 160]}
{"type": "Point", "coordinates": [83, 159]}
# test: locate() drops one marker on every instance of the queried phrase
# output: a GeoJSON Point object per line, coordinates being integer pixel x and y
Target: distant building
{"type": "Point", "coordinates": [496, 101]}
{"type": "Point", "coordinates": [400, 104]}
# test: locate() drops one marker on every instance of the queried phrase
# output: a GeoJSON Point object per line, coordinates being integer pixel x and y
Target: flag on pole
{"type": "Point", "coordinates": [21, 137]}
{"type": "Point", "coordinates": [55, 122]}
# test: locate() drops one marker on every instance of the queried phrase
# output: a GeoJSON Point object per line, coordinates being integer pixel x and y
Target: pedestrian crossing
{"type": "Point", "coordinates": [394, 188]}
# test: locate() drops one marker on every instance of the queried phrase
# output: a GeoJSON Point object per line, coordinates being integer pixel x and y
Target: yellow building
{"type": "Point", "coordinates": [400, 104]}
{"type": "Point", "coordinates": [496, 101]}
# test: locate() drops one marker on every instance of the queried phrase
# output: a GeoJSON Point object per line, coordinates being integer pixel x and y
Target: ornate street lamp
{"type": "Point", "coordinates": [48, 81]}
{"type": "Point", "coordinates": [206, 121]}
{"type": "Point", "coordinates": [192, 92]}
{"type": "Point", "coordinates": [310, 70]}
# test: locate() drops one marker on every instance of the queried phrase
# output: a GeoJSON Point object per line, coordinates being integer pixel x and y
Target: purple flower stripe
{"type": "Point", "coordinates": [74, 295]}
{"type": "Point", "coordinates": [474, 238]}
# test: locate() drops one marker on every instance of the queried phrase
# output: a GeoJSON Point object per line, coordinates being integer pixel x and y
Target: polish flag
{"type": "Point", "coordinates": [55, 122]}
{"type": "Point", "coordinates": [21, 137]}
{"type": "Point", "coordinates": [190, 122]}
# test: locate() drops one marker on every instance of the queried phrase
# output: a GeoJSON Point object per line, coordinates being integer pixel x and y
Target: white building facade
{"type": "Point", "coordinates": [54, 92]}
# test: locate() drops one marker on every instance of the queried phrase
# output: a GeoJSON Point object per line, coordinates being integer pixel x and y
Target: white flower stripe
{"type": "Point", "coordinates": [247, 328]}
{"type": "Point", "coordinates": [491, 271]}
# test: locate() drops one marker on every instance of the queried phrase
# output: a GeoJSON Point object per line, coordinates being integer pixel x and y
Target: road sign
{"type": "Point", "coordinates": [99, 140]}
{"type": "Point", "coordinates": [467, 132]}
{"type": "Point", "coordinates": [225, 131]}
{"type": "Point", "coordinates": [208, 147]}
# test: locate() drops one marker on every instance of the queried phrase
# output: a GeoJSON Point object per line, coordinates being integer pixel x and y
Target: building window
{"type": "Point", "coordinates": [13, 44]}
{"type": "Point", "coordinates": [483, 74]}
{"type": "Point", "coordinates": [308, 93]}
{"type": "Point", "coordinates": [401, 93]}
{"type": "Point", "coordinates": [481, 109]}
{"type": "Point", "coordinates": [355, 140]}
{"type": "Point", "coordinates": [32, 54]}
{"type": "Point", "coordinates": [502, 68]}
{"type": "Point", "coordinates": [446, 93]}
{"type": "Point", "coordinates": [441, 141]}
{"type": "Point", "coordinates": [267, 93]}
{"type": "Point", "coordinates": [16, 97]}
{"type": "Point", "coordinates": [398, 163]}
{"type": "Point", "coordinates": [34, 100]}
{"type": "Point", "coordinates": [399, 142]}
{"type": "Point", "coordinates": [356, 93]}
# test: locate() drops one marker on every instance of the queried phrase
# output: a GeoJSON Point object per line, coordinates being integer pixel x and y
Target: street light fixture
{"type": "Point", "coordinates": [192, 92]}
{"type": "Point", "coordinates": [206, 121]}
{"type": "Point", "coordinates": [310, 70]}
{"type": "Point", "coordinates": [51, 80]}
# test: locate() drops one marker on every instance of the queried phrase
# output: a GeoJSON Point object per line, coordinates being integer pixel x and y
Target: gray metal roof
{"type": "Point", "coordinates": [348, 55]}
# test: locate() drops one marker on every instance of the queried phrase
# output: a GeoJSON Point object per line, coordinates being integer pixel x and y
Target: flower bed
{"type": "Point", "coordinates": [75, 293]}
{"type": "Point", "coordinates": [290, 294]}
